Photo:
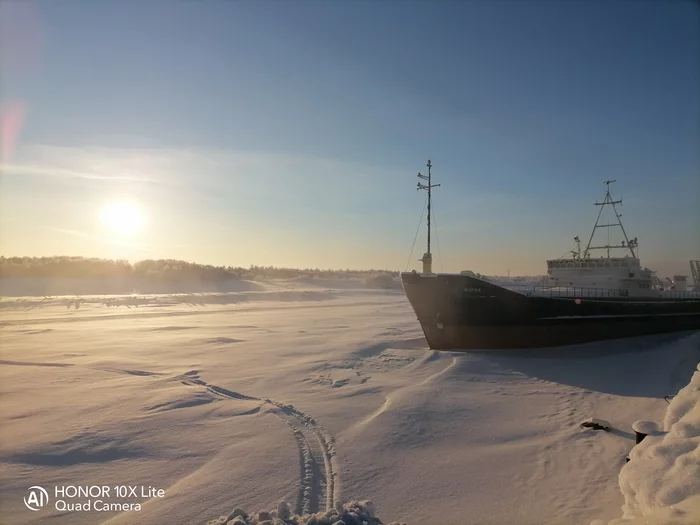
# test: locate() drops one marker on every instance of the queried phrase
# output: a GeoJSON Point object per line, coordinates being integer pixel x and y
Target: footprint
{"type": "Point", "coordinates": [222, 340]}
{"type": "Point", "coordinates": [28, 363]}
{"type": "Point", "coordinates": [129, 372]}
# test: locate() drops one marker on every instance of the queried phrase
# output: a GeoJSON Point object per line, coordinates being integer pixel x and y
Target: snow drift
{"type": "Point", "coordinates": [661, 482]}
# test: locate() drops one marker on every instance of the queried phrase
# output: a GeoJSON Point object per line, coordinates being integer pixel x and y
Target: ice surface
{"type": "Point", "coordinates": [309, 393]}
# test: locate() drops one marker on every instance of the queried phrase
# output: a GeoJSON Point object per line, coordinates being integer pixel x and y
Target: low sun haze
{"type": "Point", "coordinates": [290, 133]}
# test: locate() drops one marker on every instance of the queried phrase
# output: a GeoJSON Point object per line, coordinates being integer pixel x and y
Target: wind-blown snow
{"type": "Point", "coordinates": [661, 483]}
{"type": "Point", "coordinates": [312, 393]}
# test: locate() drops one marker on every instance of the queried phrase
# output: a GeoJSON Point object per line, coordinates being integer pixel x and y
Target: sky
{"type": "Point", "coordinates": [290, 133]}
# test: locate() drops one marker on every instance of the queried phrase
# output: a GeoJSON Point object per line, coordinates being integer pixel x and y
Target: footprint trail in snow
{"type": "Point", "coordinates": [318, 486]}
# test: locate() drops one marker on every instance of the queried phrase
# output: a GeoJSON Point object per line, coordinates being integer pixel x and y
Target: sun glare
{"type": "Point", "coordinates": [123, 218]}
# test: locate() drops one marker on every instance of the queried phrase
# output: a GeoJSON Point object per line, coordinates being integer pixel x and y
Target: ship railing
{"type": "Point", "coordinates": [583, 291]}
{"type": "Point", "coordinates": [676, 294]}
{"type": "Point", "coordinates": [569, 291]}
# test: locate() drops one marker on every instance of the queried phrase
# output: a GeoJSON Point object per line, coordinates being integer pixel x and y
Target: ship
{"type": "Point", "coordinates": [582, 298]}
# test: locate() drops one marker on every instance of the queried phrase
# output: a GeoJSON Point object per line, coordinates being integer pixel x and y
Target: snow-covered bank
{"type": "Point", "coordinates": [661, 482]}
{"type": "Point", "coordinates": [63, 275]}
{"type": "Point", "coordinates": [53, 286]}
{"type": "Point", "coordinates": [72, 286]}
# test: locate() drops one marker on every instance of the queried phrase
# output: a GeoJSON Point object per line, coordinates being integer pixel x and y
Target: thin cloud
{"type": "Point", "coordinates": [206, 173]}
{"type": "Point", "coordinates": [51, 171]}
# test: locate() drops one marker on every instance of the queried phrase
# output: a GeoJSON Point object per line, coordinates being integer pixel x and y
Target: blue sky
{"type": "Point", "coordinates": [290, 132]}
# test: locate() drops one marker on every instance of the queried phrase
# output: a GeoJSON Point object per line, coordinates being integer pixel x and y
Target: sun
{"type": "Point", "coordinates": [123, 218]}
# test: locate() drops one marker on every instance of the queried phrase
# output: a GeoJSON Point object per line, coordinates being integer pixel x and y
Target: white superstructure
{"type": "Point", "coordinates": [614, 272]}
{"type": "Point", "coordinates": [605, 272]}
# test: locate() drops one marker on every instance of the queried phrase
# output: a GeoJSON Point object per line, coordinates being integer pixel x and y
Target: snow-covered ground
{"type": "Point", "coordinates": [311, 392]}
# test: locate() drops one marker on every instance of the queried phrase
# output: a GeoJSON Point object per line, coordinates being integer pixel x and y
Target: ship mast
{"type": "Point", "coordinates": [427, 259]}
{"type": "Point", "coordinates": [608, 201]}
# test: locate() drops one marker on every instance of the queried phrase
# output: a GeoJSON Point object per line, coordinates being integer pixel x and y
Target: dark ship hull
{"type": "Point", "coordinates": [460, 312]}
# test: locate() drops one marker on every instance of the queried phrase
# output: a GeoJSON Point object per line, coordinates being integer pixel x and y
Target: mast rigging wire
{"type": "Point", "coordinates": [437, 241]}
{"type": "Point", "coordinates": [425, 204]}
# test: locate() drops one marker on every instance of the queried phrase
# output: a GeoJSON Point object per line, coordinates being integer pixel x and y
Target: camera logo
{"type": "Point", "coordinates": [36, 498]}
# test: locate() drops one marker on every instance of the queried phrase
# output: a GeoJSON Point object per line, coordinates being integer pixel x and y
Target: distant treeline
{"type": "Point", "coordinates": [168, 270]}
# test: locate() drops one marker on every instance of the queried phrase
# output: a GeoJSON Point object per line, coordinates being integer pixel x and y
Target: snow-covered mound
{"type": "Point", "coordinates": [661, 482]}
{"type": "Point", "coordinates": [354, 512]}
